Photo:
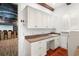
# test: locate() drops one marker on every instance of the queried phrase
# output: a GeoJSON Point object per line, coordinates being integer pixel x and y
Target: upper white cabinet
{"type": "Point", "coordinates": [37, 18]}
{"type": "Point", "coordinates": [51, 23]}
{"type": "Point", "coordinates": [31, 17]}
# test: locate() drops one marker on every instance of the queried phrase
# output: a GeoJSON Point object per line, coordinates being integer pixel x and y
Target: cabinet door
{"type": "Point", "coordinates": [44, 20]}
{"type": "Point", "coordinates": [38, 48]}
{"type": "Point", "coordinates": [50, 22]}
{"type": "Point", "coordinates": [39, 19]}
{"type": "Point", "coordinates": [43, 48]}
{"type": "Point", "coordinates": [35, 50]}
{"type": "Point", "coordinates": [32, 18]}
{"type": "Point", "coordinates": [57, 42]}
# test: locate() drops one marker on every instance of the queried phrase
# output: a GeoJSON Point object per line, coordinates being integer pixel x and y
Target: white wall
{"type": "Point", "coordinates": [74, 16]}
{"type": "Point", "coordinates": [60, 13]}
{"type": "Point", "coordinates": [69, 16]}
{"type": "Point", "coordinates": [62, 24]}
{"type": "Point", "coordinates": [6, 27]}
{"type": "Point", "coordinates": [73, 42]}
{"type": "Point", "coordinates": [69, 20]}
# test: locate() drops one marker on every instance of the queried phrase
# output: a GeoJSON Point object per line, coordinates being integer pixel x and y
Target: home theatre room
{"type": "Point", "coordinates": [8, 29]}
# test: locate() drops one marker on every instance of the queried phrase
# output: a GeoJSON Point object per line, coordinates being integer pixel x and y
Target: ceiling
{"type": "Point", "coordinates": [8, 11]}
{"type": "Point", "coordinates": [61, 8]}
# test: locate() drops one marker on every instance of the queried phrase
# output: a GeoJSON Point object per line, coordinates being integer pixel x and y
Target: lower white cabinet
{"type": "Point", "coordinates": [38, 48]}
{"type": "Point", "coordinates": [53, 43]}
{"type": "Point", "coordinates": [57, 43]}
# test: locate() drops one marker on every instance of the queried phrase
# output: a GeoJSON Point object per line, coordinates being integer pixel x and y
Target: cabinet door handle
{"type": "Point", "coordinates": [21, 20]}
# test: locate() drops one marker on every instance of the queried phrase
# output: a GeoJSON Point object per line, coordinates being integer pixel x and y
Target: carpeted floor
{"type": "Point", "coordinates": [57, 52]}
{"type": "Point", "coordinates": [9, 47]}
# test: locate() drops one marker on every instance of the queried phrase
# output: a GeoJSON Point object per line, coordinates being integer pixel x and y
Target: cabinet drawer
{"type": "Point", "coordinates": [38, 48]}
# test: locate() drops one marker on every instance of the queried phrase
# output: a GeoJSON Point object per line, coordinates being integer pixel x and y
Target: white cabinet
{"type": "Point", "coordinates": [37, 18]}
{"type": "Point", "coordinates": [53, 43]}
{"type": "Point", "coordinates": [57, 43]}
{"type": "Point", "coordinates": [32, 17]}
{"type": "Point", "coordinates": [43, 48]}
{"type": "Point", "coordinates": [44, 20]}
{"type": "Point", "coordinates": [63, 39]}
{"type": "Point", "coordinates": [38, 48]}
{"type": "Point", "coordinates": [35, 49]}
{"type": "Point", "coordinates": [51, 21]}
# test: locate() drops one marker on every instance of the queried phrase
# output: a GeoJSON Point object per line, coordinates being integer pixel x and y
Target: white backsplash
{"type": "Point", "coordinates": [38, 31]}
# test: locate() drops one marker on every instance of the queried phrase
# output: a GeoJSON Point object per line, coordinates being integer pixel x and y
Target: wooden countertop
{"type": "Point", "coordinates": [35, 38]}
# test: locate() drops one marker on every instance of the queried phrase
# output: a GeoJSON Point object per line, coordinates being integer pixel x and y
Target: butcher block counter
{"type": "Point", "coordinates": [35, 38]}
